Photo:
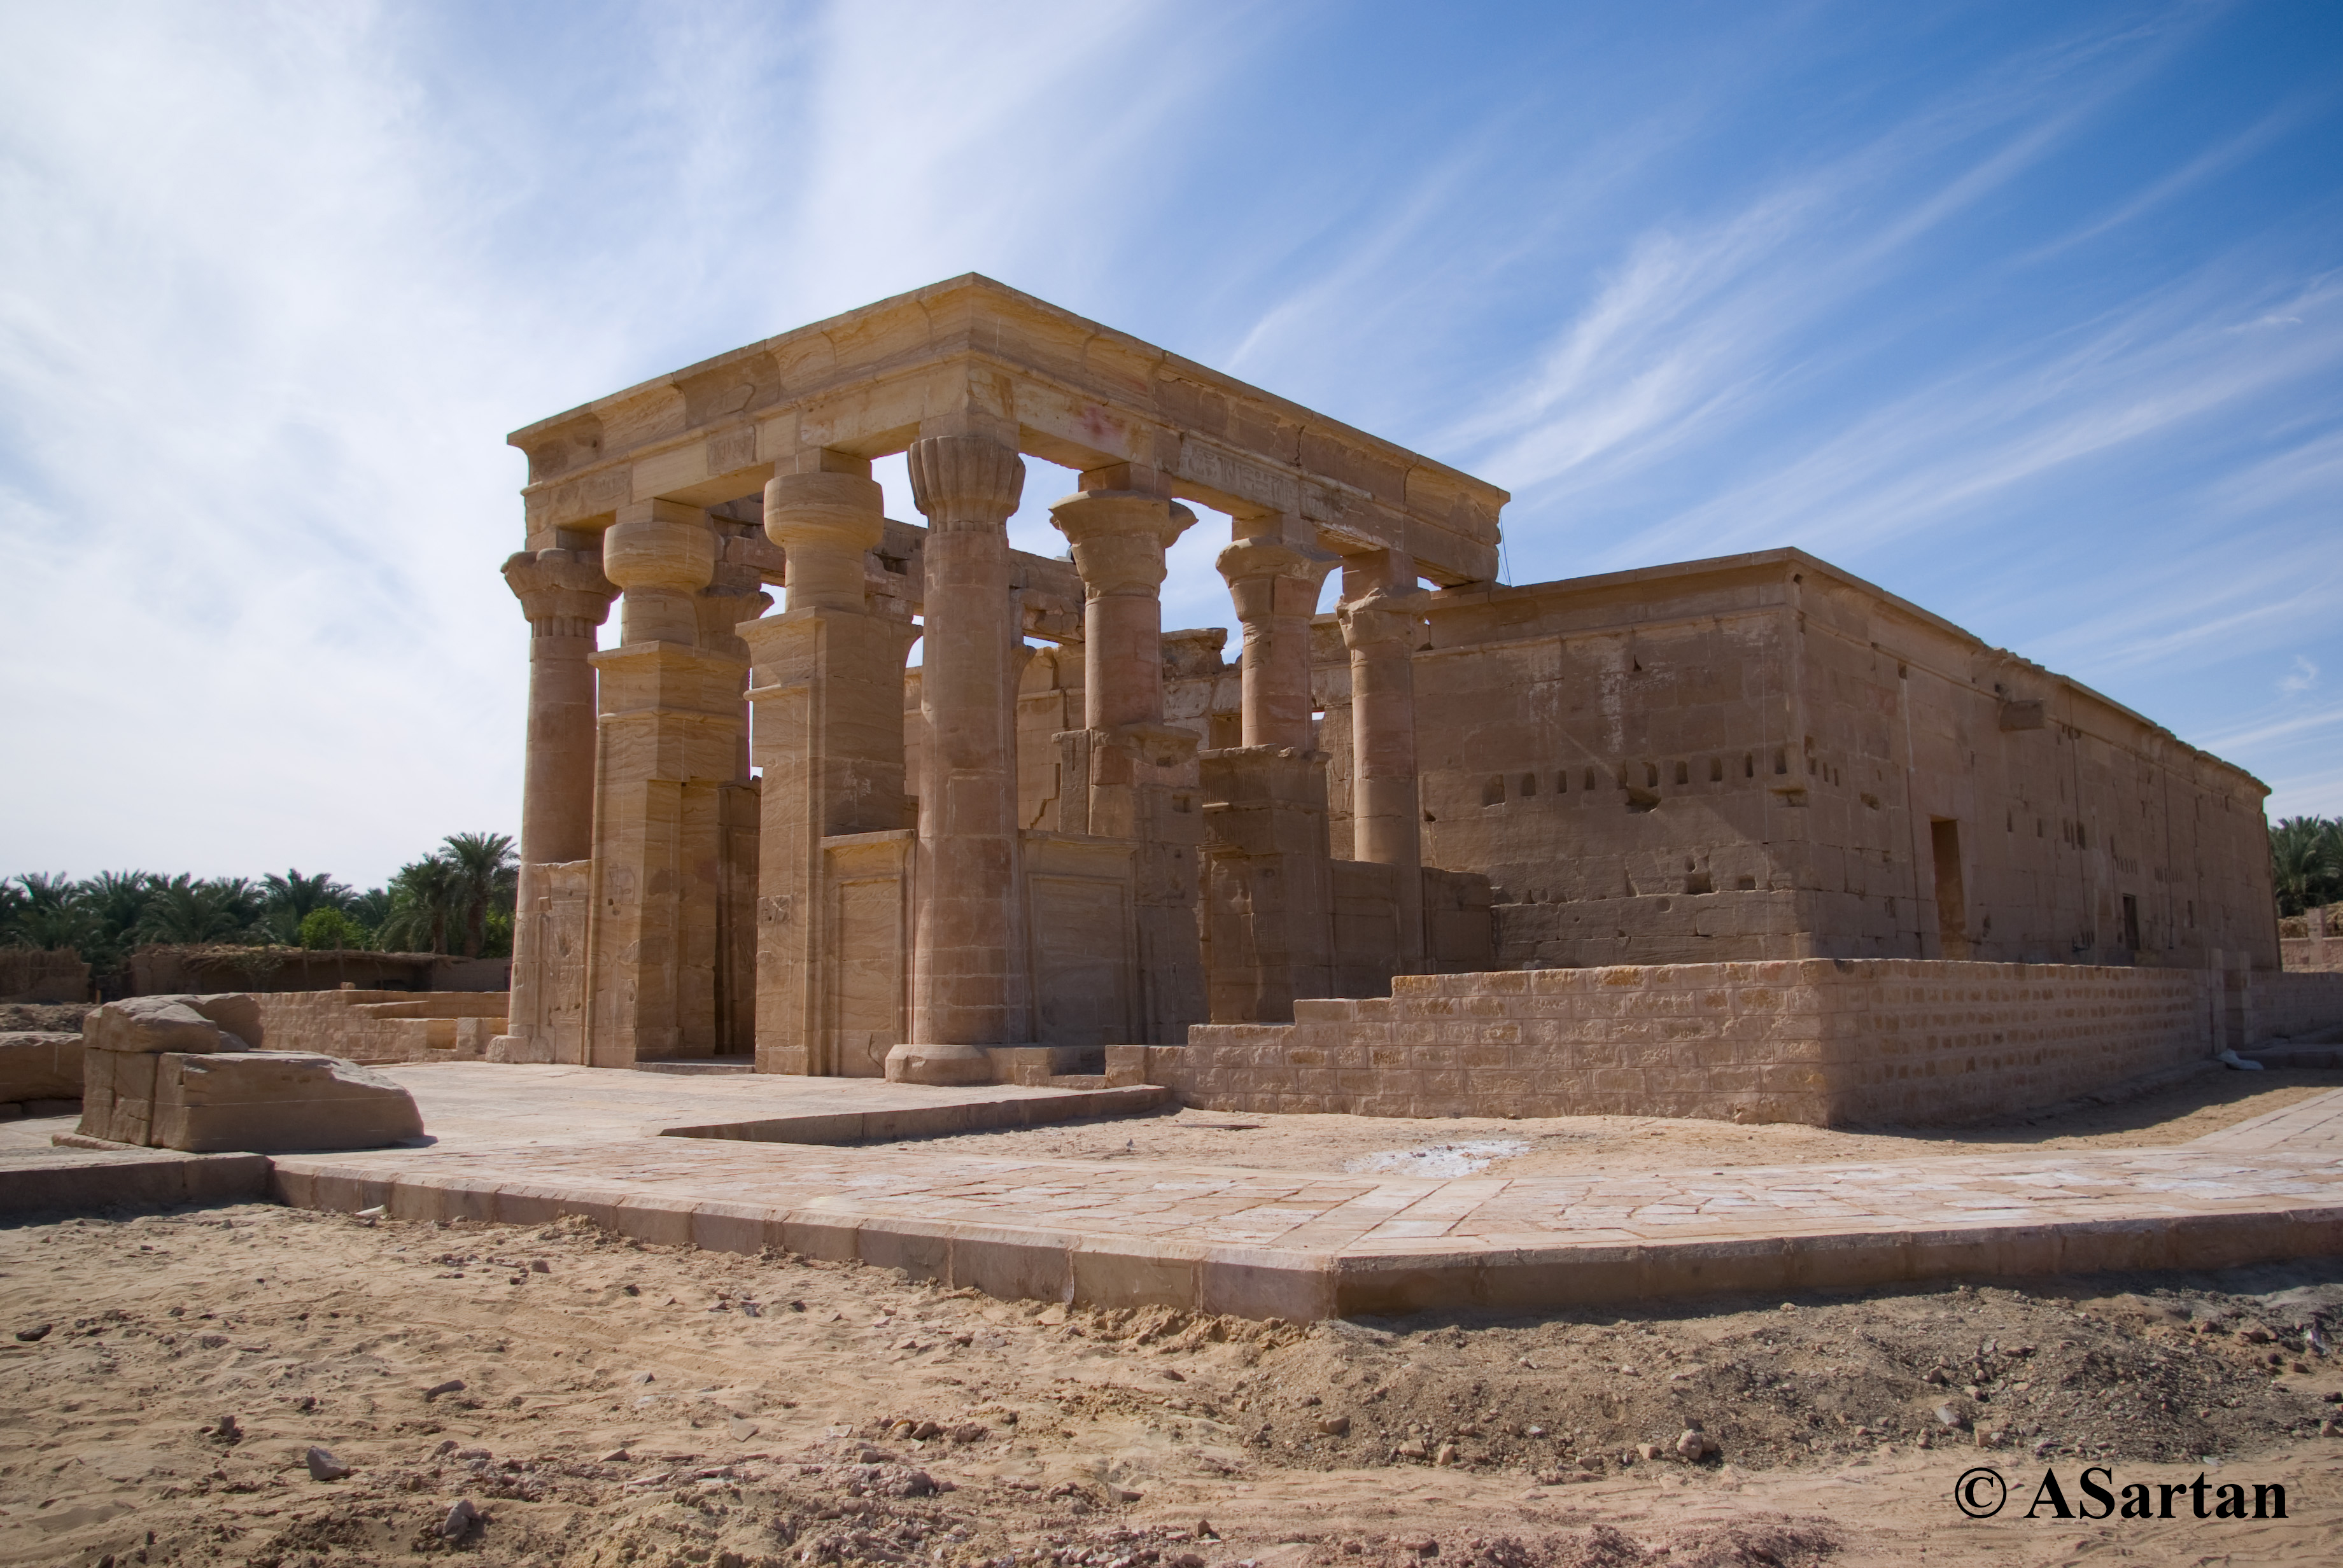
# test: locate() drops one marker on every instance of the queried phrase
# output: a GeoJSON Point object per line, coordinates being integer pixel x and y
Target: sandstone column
{"type": "Point", "coordinates": [1268, 878]}
{"type": "Point", "coordinates": [669, 738]}
{"type": "Point", "coordinates": [971, 973]}
{"type": "Point", "coordinates": [1275, 588]}
{"type": "Point", "coordinates": [1119, 538]}
{"type": "Point", "coordinates": [1141, 773]}
{"type": "Point", "coordinates": [726, 953]}
{"type": "Point", "coordinates": [1382, 632]}
{"type": "Point", "coordinates": [827, 686]}
{"type": "Point", "coordinates": [565, 596]}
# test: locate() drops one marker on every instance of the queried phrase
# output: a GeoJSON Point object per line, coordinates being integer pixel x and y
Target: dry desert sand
{"type": "Point", "coordinates": [622, 1403]}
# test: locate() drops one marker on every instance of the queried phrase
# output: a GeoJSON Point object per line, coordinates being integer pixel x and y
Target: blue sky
{"type": "Point", "coordinates": [2033, 314]}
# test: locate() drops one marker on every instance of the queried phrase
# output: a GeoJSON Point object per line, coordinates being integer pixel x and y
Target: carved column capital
{"type": "Point", "coordinates": [661, 554]}
{"type": "Point", "coordinates": [965, 481]}
{"type": "Point", "coordinates": [824, 522]}
{"type": "Point", "coordinates": [1268, 576]}
{"type": "Point", "coordinates": [562, 592]}
{"type": "Point", "coordinates": [1382, 622]}
{"type": "Point", "coordinates": [1119, 538]}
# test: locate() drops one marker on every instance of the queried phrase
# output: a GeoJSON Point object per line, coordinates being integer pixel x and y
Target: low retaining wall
{"type": "Point", "coordinates": [2313, 955]}
{"type": "Point", "coordinates": [39, 1065]}
{"type": "Point", "coordinates": [2292, 1005]}
{"type": "Point", "coordinates": [383, 1026]}
{"type": "Point", "coordinates": [43, 975]}
{"type": "Point", "coordinates": [165, 969]}
{"type": "Point", "coordinates": [1818, 1040]}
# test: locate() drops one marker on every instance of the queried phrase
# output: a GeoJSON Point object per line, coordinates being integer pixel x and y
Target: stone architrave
{"type": "Point", "coordinates": [827, 690]}
{"type": "Point", "coordinates": [1382, 630]}
{"type": "Point", "coordinates": [669, 745]}
{"type": "Point", "coordinates": [972, 982]}
{"type": "Point", "coordinates": [565, 598]}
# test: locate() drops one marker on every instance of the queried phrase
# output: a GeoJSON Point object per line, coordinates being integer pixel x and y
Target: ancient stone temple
{"type": "Point", "coordinates": [752, 830]}
{"type": "Point", "coordinates": [737, 837]}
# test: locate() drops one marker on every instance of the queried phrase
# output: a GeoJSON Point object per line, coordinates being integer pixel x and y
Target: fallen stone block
{"type": "Point", "coordinates": [150, 1025]}
{"type": "Point", "coordinates": [40, 1065]}
{"type": "Point", "coordinates": [266, 1102]}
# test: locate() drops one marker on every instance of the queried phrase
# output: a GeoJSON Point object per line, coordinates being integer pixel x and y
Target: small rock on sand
{"type": "Point", "coordinates": [324, 1466]}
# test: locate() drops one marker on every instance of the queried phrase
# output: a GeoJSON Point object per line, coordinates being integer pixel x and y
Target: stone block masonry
{"type": "Point", "coordinates": [2291, 1005]}
{"type": "Point", "coordinates": [1826, 1041]}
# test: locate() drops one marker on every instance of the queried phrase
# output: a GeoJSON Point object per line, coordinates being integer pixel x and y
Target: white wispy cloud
{"type": "Point", "coordinates": [275, 288]}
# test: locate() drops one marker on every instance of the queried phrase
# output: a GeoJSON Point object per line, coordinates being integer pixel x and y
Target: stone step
{"type": "Point", "coordinates": [2296, 1055]}
{"type": "Point", "coordinates": [695, 1065]}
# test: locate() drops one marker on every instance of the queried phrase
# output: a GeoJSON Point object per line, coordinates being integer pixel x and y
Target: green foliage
{"type": "Point", "coordinates": [488, 877]}
{"type": "Point", "coordinates": [220, 909]}
{"type": "Point", "coordinates": [2307, 863]}
{"type": "Point", "coordinates": [328, 927]}
{"type": "Point", "coordinates": [423, 900]}
{"type": "Point", "coordinates": [368, 910]}
{"type": "Point", "coordinates": [465, 888]}
{"type": "Point", "coordinates": [290, 899]}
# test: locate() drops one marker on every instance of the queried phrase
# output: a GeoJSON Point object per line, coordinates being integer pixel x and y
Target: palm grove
{"type": "Point", "coordinates": [457, 898]}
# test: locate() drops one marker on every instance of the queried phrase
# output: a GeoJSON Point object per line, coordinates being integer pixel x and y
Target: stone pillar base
{"type": "Point", "coordinates": [939, 1064]}
{"type": "Point", "coordinates": [1268, 893]}
{"type": "Point", "coordinates": [519, 1048]}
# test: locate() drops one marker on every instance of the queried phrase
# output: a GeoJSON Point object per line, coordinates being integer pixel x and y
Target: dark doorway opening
{"type": "Point", "coordinates": [2131, 922]}
{"type": "Point", "coordinates": [1952, 898]}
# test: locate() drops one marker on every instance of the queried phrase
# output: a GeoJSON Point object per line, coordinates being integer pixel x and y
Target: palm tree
{"type": "Point", "coordinates": [292, 897]}
{"type": "Point", "coordinates": [183, 910]}
{"type": "Point", "coordinates": [423, 897]}
{"type": "Point", "coordinates": [116, 903]}
{"type": "Point", "coordinates": [45, 912]}
{"type": "Point", "coordinates": [371, 910]}
{"type": "Point", "coordinates": [2307, 863]}
{"type": "Point", "coordinates": [486, 869]}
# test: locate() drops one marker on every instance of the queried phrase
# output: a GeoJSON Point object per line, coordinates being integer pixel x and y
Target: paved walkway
{"type": "Point", "coordinates": [467, 1103]}
{"type": "Point", "coordinates": [1274, 1243]}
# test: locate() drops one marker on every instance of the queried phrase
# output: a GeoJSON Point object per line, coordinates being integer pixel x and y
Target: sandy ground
{"type": "Point", "coordinates": [625, 1405]}
{"type": "Point", "coordinates": [622, 1404]}
{"type": "Point", "coordinates": [2204, 1103]}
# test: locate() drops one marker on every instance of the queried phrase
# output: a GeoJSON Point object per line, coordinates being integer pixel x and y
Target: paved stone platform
{"type": "Point", "coordinates": [1277, 1244]}
{"type": "Point", "coordinates": [467, 1102]}
{"type": "Point", "coordinates": [80, 1181]}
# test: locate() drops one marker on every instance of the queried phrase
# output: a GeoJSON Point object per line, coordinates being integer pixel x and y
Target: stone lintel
{"type": "Point", "coordinates": [865, 384]}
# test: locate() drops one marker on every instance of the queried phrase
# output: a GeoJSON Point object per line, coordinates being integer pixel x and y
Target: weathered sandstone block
{"type": "Point", "coordinates": [266, 1102]}
{"type": "Point", "coordinates": [40, 1065]}
{"type": "Point", "coordinates": [152, 1024]}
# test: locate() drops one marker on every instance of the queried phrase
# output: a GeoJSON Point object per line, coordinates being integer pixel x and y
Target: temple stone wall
{"type": "Point", "coordinates": [1045, 849]}
{"type": "Point", "coordinates": [1761, 757]}
{"type": "Point", "coordinates": [1821, 1042]}
{"type": "Point", "coordinates": [2312, 955]}
{"type": "Point", "coordinates": [2292, 1006]}
{"type": "Point", "coordinates": [378, 1027]}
